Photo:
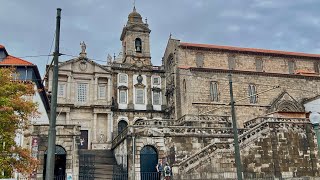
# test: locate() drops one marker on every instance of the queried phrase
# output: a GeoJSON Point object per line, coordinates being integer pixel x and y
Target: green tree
{"type": "Point", "coordinates": [16, 109]}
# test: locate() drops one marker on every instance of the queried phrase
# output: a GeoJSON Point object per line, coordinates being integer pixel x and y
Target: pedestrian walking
{"type": "Point", "coordinates": [159, 168]}
{"type": "Point", "coordinates": [167, 172]}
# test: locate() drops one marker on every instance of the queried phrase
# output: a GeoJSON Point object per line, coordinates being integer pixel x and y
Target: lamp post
{"type": "Point", "coordinates": [315, 121]}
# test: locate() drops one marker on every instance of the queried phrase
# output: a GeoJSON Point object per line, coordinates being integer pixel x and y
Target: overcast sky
{"type": "Point", "coordinates": [27, 26]}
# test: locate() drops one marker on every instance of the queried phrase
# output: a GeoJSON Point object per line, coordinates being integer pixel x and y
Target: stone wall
{"type": "Point", "coordinates": [195, 98]}
{"type": "Point", "coordinates": [66, 137]}
{"type": "Point", "coordinates": [283, 151]}
{"type": "Point", "coordinates": [244, 61]}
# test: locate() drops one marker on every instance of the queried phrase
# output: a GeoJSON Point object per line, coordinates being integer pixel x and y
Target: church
{"type": "Point", "coordinates": [119, 119]}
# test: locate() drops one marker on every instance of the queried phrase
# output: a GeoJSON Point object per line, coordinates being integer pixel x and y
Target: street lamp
{"type": "Point", "coordinates": [315, 121]}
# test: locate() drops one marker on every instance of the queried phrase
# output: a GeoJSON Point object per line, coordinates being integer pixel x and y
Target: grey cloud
{"type": "Point", "coordinates": [291, 25]}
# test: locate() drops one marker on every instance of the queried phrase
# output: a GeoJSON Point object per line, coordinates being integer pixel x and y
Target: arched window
{"type": "Point", "coordinates": [122, 125]}
{"type": "Point", "coordinates": [138, 45]}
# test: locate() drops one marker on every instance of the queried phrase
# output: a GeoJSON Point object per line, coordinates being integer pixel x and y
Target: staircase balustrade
{"type": "Point", "coordinates": [120, 137]}
{"type": "Point", "coordinates": [202, 118]}
{"type": "Point", "coordinates": [247, 137]}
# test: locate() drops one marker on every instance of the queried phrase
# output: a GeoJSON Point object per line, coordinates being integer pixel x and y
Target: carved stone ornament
{"type": "Point", "coordinates": [123, 87]}
{"type": "Point", "coordinates": [139, 85]}
{"type": "Point", "coordinates": [139, 79]}
{"type": "Point", "coordinates": [156, 89]}
{"type": "Point", "coordinates": [139, 64]}
{"type": "Point", "coordinates": [83, 65]}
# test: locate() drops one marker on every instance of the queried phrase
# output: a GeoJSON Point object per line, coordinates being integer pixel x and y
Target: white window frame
{"type": "Point", "coordinates": [137, 95]}
{"type": "Point", "coordinates": [153, 80]}
{"type": "Point", "coordinates": [102, 91]}
{"type": "Point", "coordinates": [84, 95]}
{"type": "Point", "coordinates": [61, 92]}
{"type": "Point", "coordinates": [153, 97]}
{"type": "Point", "coordinates": [123, 101]}
{"type": "Point", "coordinates": [125, 80]}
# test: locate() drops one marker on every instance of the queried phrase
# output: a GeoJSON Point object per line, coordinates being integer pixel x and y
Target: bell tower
{"type": "Point", "coordinates": [135, 41]}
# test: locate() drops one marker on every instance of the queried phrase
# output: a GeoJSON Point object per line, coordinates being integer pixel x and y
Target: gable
{"type": "Point", "coordinates": [285, 103]}
{"type": "Point", "coordinates": [83, 65]}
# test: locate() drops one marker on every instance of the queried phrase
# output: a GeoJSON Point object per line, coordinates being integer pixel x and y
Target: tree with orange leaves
{"type": "Point", "coordinates": [16, 109]}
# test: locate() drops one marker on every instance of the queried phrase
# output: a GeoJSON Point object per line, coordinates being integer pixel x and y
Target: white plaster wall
{"type": "Point", "coordinates": [43, 117]}
{"type": "Point", "coordinates": [156, 107]}
{"type": "Point", "coordinates": [122, 106]}
{"type": "Point", "coordinates": [144, 81]}
{"type": "Point", "coordinates": [121, 154]}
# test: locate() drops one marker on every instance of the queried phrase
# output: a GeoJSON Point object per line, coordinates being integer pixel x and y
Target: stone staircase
{"type": "Point", "coordinates": [96, 164]}
{"type": "Point", "coordinates": [254, 129]}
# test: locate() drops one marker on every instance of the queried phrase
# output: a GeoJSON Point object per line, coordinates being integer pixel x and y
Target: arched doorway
{"type": "Point", "coordinates": [122, 125]}
{"type": "Point", "coordinates": [148, 162]}
{"type": "Point", "coordinates": [60, 162]}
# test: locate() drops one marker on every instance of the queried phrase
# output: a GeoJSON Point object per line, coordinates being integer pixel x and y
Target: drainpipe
{"type": "Point", "coordinates": [133, 157]}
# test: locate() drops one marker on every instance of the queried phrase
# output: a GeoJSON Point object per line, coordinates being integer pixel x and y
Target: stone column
{"type": "Point", "coordinates": [94, 128]}
{"type": "Point", "coordinates": [95, 92]}
{"type": "Point", "coordinates": [73, 86]}
{"type": "Point", "coordinates": [149, 93]}
{"type": "Point", "coordinates": [110, 127]}
{"type": "Point", "coordinates": [163, 92]}
{"type": "Point", "coordinates": [69, 83]}
{"type": "Point", "coordinates": [130, 90]}
{"type": "Point", "coordinates": [68, 118]}
{"type": "Point", "coordinates": [109, 85]}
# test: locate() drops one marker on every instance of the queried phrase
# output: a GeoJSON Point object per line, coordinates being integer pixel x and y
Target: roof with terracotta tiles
{"type": "Point", "coordinates": [11, 60]}
{"type": "Point", "coordinates": [252, 50]}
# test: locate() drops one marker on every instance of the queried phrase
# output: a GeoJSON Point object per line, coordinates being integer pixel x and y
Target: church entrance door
{"type": "Point", "coordinates": [60, 163]}
{"type": "Point", "coordinates": [148, 162]}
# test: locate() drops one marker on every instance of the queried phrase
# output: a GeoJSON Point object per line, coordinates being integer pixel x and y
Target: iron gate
{"type": "Point", "coordinates": [148, 163]}
{"type": "Point", "coordinates": [86, 166]}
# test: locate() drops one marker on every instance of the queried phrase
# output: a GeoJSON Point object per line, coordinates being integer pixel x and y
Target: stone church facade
{"type": "Point", "coordinates": [179, 112]}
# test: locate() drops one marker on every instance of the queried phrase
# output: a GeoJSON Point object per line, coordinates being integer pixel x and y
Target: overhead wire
{"type": "Point", "coordinates": [54, 36]}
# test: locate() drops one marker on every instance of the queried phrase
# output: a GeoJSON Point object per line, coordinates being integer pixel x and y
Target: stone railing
{"type": "Point", "coordinates": [206, 152]}
{"type": "Point", "coordinates": [250, 136]}
{"type": "Point", "coordinates": [120, 137]}
{"type": "Point", "coordinates": [253, 122]}
{"type": "Point", "coordinates": [256, 132]}
{"type": "Point", "coordinates": [247, 137]}
{"type": "Point", "coordinates": [189, 131]}
{"type": "Point", "coordinates": [154, 122]}
{"type": "Point", "coordinates": [165, 127]}
{"type": "Point", "coordinates": [202, 118]}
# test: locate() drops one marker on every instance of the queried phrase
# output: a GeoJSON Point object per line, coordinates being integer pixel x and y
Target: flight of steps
{"type": "Point", "coordinates": [96, 164]}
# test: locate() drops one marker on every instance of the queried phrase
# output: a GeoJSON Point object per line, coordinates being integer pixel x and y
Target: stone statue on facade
{"type": "Point", "coordinates": [83, 47]}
